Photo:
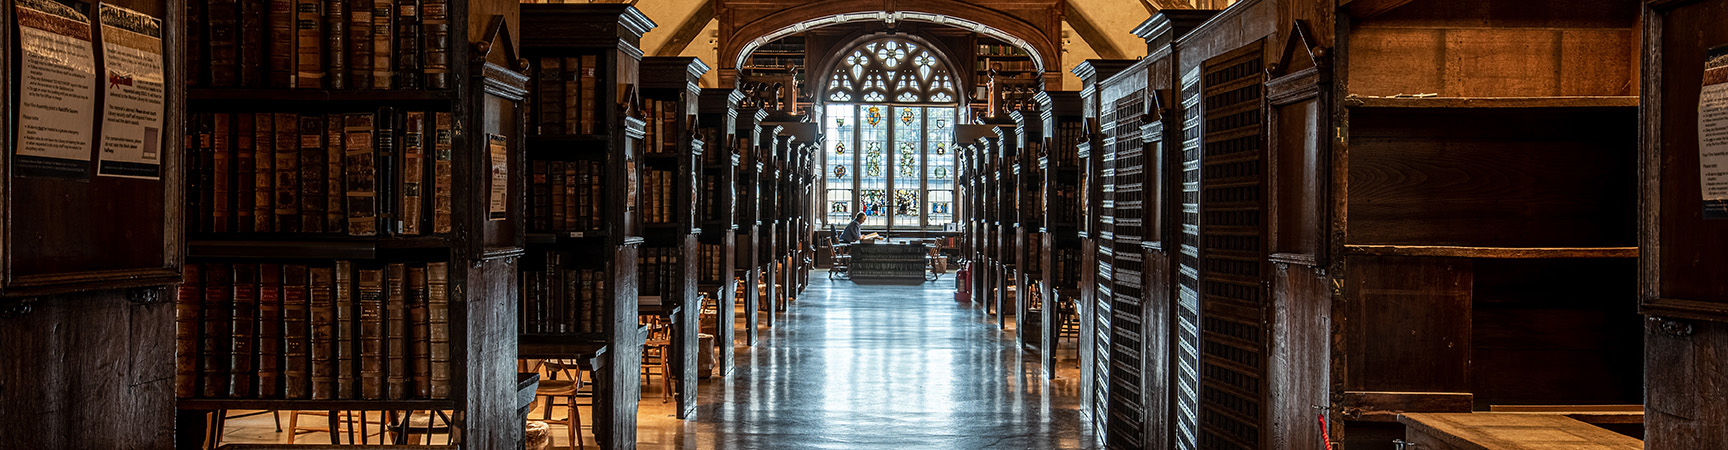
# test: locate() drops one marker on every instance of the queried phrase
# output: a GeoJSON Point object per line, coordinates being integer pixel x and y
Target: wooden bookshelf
{"type": "Point", "coordinates": [410, 220]}
{"type": "Point", "coordinates": [1059, 237]}
{"type": "Point", "coordinates": [750, 236]}
{"type": "Point", "coordinates": [593, 50]}
{"type": "Point", "coordinates": [670, 83]}
{"type": "Point", "coordinates": [718, 122]}
{"type": "Point", "coordinates": [1027, 225]}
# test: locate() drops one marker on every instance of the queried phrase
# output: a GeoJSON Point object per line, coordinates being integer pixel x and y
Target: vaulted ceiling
{"type": "Point", "coordinates": [1090, 28]}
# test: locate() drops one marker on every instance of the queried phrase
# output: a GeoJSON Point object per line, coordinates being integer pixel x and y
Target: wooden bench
{"type": "Point", "coordinates": [1508, 431]}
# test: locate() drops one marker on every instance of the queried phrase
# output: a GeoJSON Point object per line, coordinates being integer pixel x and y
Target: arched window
{"type": "Point", "coordinates": [890, 69]}
{"type": "Point", "coordinates": [889, 116]}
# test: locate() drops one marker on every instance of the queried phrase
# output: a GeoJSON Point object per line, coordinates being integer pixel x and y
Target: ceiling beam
{"type": "Point", "coordinates": [1089, 33]}
{"type": "Point", "coordinates": [687, 31]}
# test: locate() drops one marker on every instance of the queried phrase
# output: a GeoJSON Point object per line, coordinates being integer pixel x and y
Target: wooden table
{"type": "Point", "coordinates": [890, 262]}
{"type": "Point", "coordinates": [1508, 431]}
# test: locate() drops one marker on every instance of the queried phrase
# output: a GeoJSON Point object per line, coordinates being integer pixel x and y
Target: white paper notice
{"type": "Point", "coordinates": [57, 90]}
{"type": "Point", "coordinates": [134, 104]}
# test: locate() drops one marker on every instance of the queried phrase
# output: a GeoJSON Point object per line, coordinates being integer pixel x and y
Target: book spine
{"type": "Point", "coordinates": [443, 133]}
{"type": "Point", "coordinates": [222, 28]}
{"type": "Point", "coordinates": [221, 153]}
{"type": "Point", "coordinates": [198, 174]}
{"type": "Point", "coordinates": [335, 44]}
{"type": "Point", "coordinates": [383, 40]}
{"type": "Point", "coordinates": [419, 333]}
{"type": "Point", "coordinates": [286, 198]}
{"type": "Point", "coordinates": [592, 106]}
{"type": "Point", "coordinates": [571, 105]}
{"type": "Point", "coordinates": [359, 43]}
{"type": "Point", "coordinates": [371, 300]}
{"type": "Point", "coordinates": [550, 101]}
{"type": "Point", "coordinates": [438, 326]}
{"type": "Point", "coordinates": [345, 330]}
{"type": "Point", "coordinates": [281, 32]}
{"type": "Point", "coordinates": [362, 173]}
{"type": "Point", "coordinates": [187, 325]}
{"type": "Point", "coordinates": [321, 295]}
{"type": "Point", "coordinates": [270, 330]}
{"type": "Point", "coordinates": [309, 44]}
{"type": "Point", "coordinates": [555, 189]}
{"type": "Point", "coordinates": [538, 191]}
{"type": "Point", "coordinates": [245, 172]}
{"type": "Point", "coordinates": [197, 50]}
{"type": "Point", "coordinates": [335, 177]}
{"type": "Point", "coordinates": [396, 332]}
{"type": "Point", "coordinates": [252, 44]}
{"type": "Point", "coordinates": [243, 328]}
{"type": "Point", "coordinates": [263, 172]}
{"type": "Point", "coordinates": [217, 313]}
{"type": "Point", "coordinates": [413, 171]}
{"type": "Point", "coordinates": [407, 50]}
{"type": "Point", "coordinates": [435, 43]}
{"type": "Point", "coordinates": [296, 333]}
{"type": "Point", "coordinates": [385, 184]}
{"type": "Point", "coordinates": [312, 167]}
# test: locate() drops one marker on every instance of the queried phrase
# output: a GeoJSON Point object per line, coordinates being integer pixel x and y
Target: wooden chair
{"type": "Point", "coordinates": [657, 355]}
{"type": "Point", "coordinates": [217, 423]}
{"type": "Point", "coordinates": [842, 259]}
{"type": "Point", "coordinates": [563, 381]}
{"type": "Point", "coordinates": [336, 420]}
{"type": "Point", "coordinates": [1068, 321]}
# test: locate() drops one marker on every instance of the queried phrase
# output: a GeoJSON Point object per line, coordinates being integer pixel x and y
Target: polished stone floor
{"type": "Point", "coordinates": [879, 367]}
{"type": "Point", "coordinates": [860, 367]}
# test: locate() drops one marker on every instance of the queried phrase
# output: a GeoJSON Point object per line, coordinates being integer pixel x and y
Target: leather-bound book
{"type": "Point", "coordinates": [443, 133]}
{"type": "Point", "coordinates": [263, 172]}
{"type": "Point", "coordinates": [396, 332]}
{"type": "Point", "coordinates": [435, 43]}
{"type": "Point", "coordinates": [296, 333]}
{"type": "Point", "coordinates": [383, 39]}
{"type": "Point", "coordinates": [280, 70]}
{"type": "Point", "coordinates": [419, 333]}
{"type": "Point", "coordinates": [540, 206]}
{"type": "Point", "coordinates": [407, 49]}
{"type": "Point", "coordinates": [359, 42]}
{"type": "Point", "coordinates": [186, 328]}
{"type": "Point", "coordinates": [346, 349]}
{"type": "Point", "coordinates": [371, 301]}
{"type": "Point", "coordinates": [556, 220]}
{"type": "Point", "coordinates": [335, 178]}
{"type": "Point", "coordinates": [197, 48]}
{"type": "Point", "coordinates": [197, 137]}
{"type": "Point", "coordinates": [309, 44]}
{"type": "Point", "coordinates": [244, 185]}
{"type": "Point", "coordinates": [322, 297]}
{"type": "Point", "coordinates": [312, 167]}
{"type": "Point", "coordinates": [411, 200]}
{"type": "Point", "coordinates": [590, 105]}
{"type": "Point", "coordinates": [270, 330]}
{"type": "Point", "coordinates": [335, 44]}
{"type": "Point", "coordinates": [572, 102]}
{"type": "Point", "coordinates": [216, 312]}
{"type": "Point", "coordinates": [286, 199]}
{"type": "Point", "coordinates": [221, 154]}
{"type": "Point", "coordinates": [361, 165]}
{"type": "Point", "coordinates": [385, 147]}
{"type": "Point", "coordinates": [221, 32]}
{"type": "Point", "coordinates": [438, 326]}
{"type": "Point", "coordinates": [252, 45]}
{"type": "Point", "coordinates": [549, 99]}
{"type": "Point", "coordinates": [243, 329]}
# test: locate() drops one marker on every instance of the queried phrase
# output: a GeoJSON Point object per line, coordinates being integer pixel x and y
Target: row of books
{"type": "Point", "coordinates": [999, 50]}
{"type": "Point", "coordinates": [659, 196]}
{"type": "Point", "coordinates": [710, 201]}
{"type": "Point", "coordinates": [1061, 203]}
{"type": "Point", "coordinates": [711, 263]}
{"type": "Point", "coordinates": [293, 331]}
{"type": "Point", "coordinates": [566, 96]}
{"type": "Point", "coordinates": [1063, 151]}
{"type": "Point", "coordinates": [1005, 66]}
{"type": "Point", "coordinates": [661, 137]}
{"type": "Point", "coordinates": [319, 44]}
{"type": "Point", "coordinates": [565, 195]}
{"type": "Point", "coordinates": [362, 174]}
{"type": "Point", "coordinates": [560, 297]}
{"type": "Point", "coordinates": [657, 271]}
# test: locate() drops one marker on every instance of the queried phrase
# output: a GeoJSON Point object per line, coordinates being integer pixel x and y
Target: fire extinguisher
{"type": "Point", "coordinates": [963, 283]}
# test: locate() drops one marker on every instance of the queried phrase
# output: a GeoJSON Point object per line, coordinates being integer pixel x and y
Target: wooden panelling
{"type": "Point", "coordinates": [1298, 371]}
{"type": "Point", "coordinates": [1298, 166]}
{"type": "Point", "coordinates": [1502, 178]}
{"type": "Point", "coordinates": [1555, 331]}
{"type": "Point", "coordinates": [1409, 323]}
{"type": "Point", "coordinates": [1683, 409]}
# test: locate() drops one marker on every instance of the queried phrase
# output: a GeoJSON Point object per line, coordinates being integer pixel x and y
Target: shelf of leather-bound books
{"type": "Point", "coordinates": [277, 246]}
{"type": "Point", "coordinates": [320, 99]}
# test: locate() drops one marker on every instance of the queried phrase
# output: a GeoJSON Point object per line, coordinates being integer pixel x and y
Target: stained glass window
{"type": "Point", "coordinates": [890, 161]}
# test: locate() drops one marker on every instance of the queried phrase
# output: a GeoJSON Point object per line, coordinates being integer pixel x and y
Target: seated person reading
{"type": "Point", "coordinates": [854, 230]}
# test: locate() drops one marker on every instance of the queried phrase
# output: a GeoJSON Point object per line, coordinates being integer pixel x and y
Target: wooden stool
{"type": "Point", "coordinates": [334, 427]}
{"type": "Point", "coordinates": [564, 380]}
